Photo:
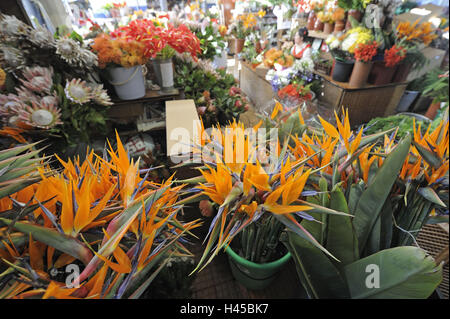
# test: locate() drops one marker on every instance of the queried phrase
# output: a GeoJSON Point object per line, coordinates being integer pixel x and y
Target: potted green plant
{"type": "Point", "coordinates": [390, 199]}
{"type": "Point", "coordinates": [254, 202]}
{"type": "Point", "coordinates": [240, 29]}
{"type": "Point", "coordinates": [437, 89]}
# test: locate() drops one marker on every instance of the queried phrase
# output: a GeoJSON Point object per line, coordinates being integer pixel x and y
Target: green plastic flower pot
{"type": "Point", "coordinates": [252, 275]}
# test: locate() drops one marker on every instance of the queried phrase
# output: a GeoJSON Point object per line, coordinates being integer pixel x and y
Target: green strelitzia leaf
{"type": "Point", "coordinates": [51, 237]}
{"type": "Point", "coordinates": [396, 273]}
{"type": "Point", "coordinates": [374, 197]}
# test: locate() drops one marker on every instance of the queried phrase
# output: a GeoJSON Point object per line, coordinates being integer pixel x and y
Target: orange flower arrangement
{"type": "Point", "coordinates": [277, 56]}
{"type": "Point", "coordinates": [416, 33]}
{"type": "Point", "coordinates": [120, 51]}
{"type": "Point", "coordinates": [338, 14]}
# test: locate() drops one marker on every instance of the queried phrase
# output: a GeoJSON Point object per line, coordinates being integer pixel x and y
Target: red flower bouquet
{"type": "Point", "coordinates": [394, 55]}
{"type": "Point", "coordinates": [295, 93]}
{"type": "Point", "coordinates": [365, 52]}
{"type": "Point", "coordinates": [156, 37]}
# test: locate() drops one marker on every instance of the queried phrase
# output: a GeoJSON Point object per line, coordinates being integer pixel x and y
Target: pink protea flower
{"type": "Point", "coordinates": [78, 91]}
{"type": "Point", "coordinates": [40, 115]}
{"type": "Point", "coordinates": [38, 79]}
{"type": "Point", "coordinates": [9, 106]}
{"type": "Point", "coordinates": [25, 95]}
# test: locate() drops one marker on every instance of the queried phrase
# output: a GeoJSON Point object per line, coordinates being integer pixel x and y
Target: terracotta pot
{"type": "Point", "coordinates": [311, 20]}
{"type": "Point", "coordinates": [339, 26]}
{"type": "Point", "coordinates": [258, 46]}
{"type": "Point", "coordinates": [380, 74]}
{"type": "Point", "coordinates": [238, 45]}
{"type": "Point", "coordinates": [432, 110]}
{"type": "Point", "coordinates": [360, 73]}
{"type": "Point", "coordinates": [328, 28]}
{"type": "Point", "coordinates": [402, 72]}
{"type": "Point", "coordinates": [319, 25]}
{"type": "Point", "coordinates": [355, 14]}
{"type": "Point", "coordinates": [342, 70]}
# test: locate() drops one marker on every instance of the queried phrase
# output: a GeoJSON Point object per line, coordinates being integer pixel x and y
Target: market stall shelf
{"type": "Point", "coordinates": [364, 103]}
{"type": "Point", "coordinates": [142, 111]}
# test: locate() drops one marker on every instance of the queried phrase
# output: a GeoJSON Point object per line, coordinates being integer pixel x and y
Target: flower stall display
{"type": "Point", "coordinates": [316, 7]}
{"type": "Point", "coordinates": [364, 53]}
{"type": "Point", "coordinates": [343, 47]}
{"type": "Point", "coordinates": [211, 37]}
{"type": "Point", "coordinates": [355, 10]}
{"type": "Point", "coordinates": [326, 21]}
{"type": "Point", "coordinates": [338, 17]}
{"type": "Point", "coordinates": [295, 94]}
{"type": "Point", "coordinates": [274, 57]}
{"type": "Point", "coordinates": [384, 71]}
{"type": "Point", "coordinates": [123, 60]}
{"type": "Point", "coordinates": [161, 42]}
{"type": "Point", "coordinates": [216, 93]}
{"type": "Point", "coordinates": [413, 37]}
{"type": "Point", "coordinates": [99, 215]}
{"type": "Point", "coordinates": [241, 27]}
{"type": "Point", "coordinates": [44, 94]}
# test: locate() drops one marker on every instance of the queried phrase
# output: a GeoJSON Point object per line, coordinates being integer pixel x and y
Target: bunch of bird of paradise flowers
{"type": "Point", "coordinates": [93, 229]}
{"type": "Point", "coordinates": [250, 182]}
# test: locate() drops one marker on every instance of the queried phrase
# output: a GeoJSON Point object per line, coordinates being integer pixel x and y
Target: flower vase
{"type": "Point", "coordinates": [328, 28]}
{"type": "Point", "coordinates": [164, 74]}
{"type": "Point", "coordinates": [381, 74]}
{"type": "Point", "coordinates": [339, 26]}
{"type": "Point", "coordinates": [319, 25]}
{"type": "Point", "coordinates": [356, 14]}
{"type": "Point", "coordinates": [432, 110]}
{"type": "Point", "coordinates": [402, 72]}
{"type": "Point", "coordinates": [238, 45]}
{"type": "Point", "coordinates": [128, 83]}
{"type": "Point", "coordinates": [311, 20]}
{"type": "Point", "coordinates": [360, 74]}
{"type": "Point", "coordinates": [342, 70]}
{"type": "Point", "coordinates": [258, 46]}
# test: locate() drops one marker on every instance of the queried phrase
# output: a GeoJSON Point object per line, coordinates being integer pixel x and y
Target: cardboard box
{"type": "Point", "coordinates": [181, 124]}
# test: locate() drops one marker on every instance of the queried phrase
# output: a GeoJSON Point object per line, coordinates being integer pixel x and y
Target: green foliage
{"type": "Point", "coordinates": [211, 91]}
{"type": "Point", "coordinates": [212, 43]}
{"type": "Point", "coordinates": [380, 224]}
{"type": "Point", "coordinates": [403, 122]}
{"type": "Point", "coordinates": [436, 86]}
{"type": "Point", "coordinates": [81, 122]}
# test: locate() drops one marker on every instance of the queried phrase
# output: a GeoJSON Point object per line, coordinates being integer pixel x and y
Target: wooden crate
{"type": "Point", "coordinates": [363, 104]}
{"type": "Point", "coordinates": [434, 240]}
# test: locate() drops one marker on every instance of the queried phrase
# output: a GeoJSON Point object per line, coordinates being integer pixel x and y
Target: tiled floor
{"type": "Point", "coordinates": [216, 281]}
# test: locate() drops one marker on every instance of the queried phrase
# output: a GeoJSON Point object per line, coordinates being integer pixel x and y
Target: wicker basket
{"type": "Point", "coordinates": [434, 240]}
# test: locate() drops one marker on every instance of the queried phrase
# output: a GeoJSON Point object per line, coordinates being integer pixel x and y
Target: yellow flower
{"type": "Point", "coordinates": [261, 13]}
{"type": "Point", "coordinates": [2, 77]}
